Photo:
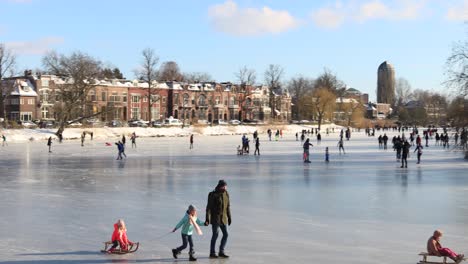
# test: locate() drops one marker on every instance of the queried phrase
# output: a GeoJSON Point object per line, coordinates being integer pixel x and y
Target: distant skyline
{"type": "Point", "coordinates": [349, 37]}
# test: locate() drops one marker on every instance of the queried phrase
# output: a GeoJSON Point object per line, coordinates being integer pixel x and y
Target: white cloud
{"type": "Point", "coordinates": [35, 47]}
{"type": "Point", "coordinates": [458, 13]}
{"type": "Point", "coordinates": [362, 11]}
{"type": "Point", "coordinates": [231, 19]}
{"type": "Point", "coordinates": [328, 17]}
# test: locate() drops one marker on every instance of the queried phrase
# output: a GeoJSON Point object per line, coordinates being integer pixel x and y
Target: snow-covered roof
{"type": "Point", "coordinates": [346, 100]}
{"type": "Point", "coordinates": [23, 88]}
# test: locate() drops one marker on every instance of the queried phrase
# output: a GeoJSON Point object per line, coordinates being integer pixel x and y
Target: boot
{"type": "Point", "coordinates": [192, 257]}
{"type": "Point", "coordinates": [222, 255]}
{"type": "Point", "coordinates": [175, 253]}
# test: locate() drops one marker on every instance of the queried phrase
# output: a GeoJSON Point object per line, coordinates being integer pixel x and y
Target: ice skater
{"type": "Point", "coordinates": [306, 155]}
{"type": "Point", "coordinates": [419, 149]}
{"type": "Point", "coordinates": [119, 237]}
{"type": "Point", "coordinates": [340, 146]}
{"type": "Point", "coordinates": [434, 248]}
{"type": "Point", "coordinates": [405, 154]}
{"type": "Point", "coordinates": [257, 146]}
{"type": "Point", "coordinates": [123, 140]}
{"type": "Point", "coordinates": [49, 143]}
{"type": "Point", "coordinates": [120, 148]}
{"type": "Point", "coordinates": [188, 223]}
{"type": "Point", "coordinates": [4, 140]}
{"type": "Point", "coordinates": [83, 135]}
{"type": "Point", "coordinates": [327, 155]}
{"type": "Point", "coordinates": [133, 139]}
{"type": "Point", "coordinates": [191, 141]}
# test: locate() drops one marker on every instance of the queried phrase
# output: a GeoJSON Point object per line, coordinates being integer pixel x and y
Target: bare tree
{"type": "Point", "coordinates": [7, 69]}
{"type": "Point", "coordinates": [148, 73]}
{"type": "Point", "coordinates": [330, 81]}
{"type": "Point", "coordinates": [403, 91]}
{"type": "Point", "coordinates": [299, 87]}
{"type": "Point", "coordinates": [322, 103]}
{"type": "Point", "coordinates": [195, 77]}
{"type": "Point", "coordinates": [79, 71]}
{"type": "Point", "coordinates": [246, 76]}
{"type": "Point", "coordinates": [353, 111]}
{"type": "Point", "coordinates": [170, 71]}
{"type": "Point", "coordinates": [457, 68]}
{"type": "Point", "coordinates": [273, 76]}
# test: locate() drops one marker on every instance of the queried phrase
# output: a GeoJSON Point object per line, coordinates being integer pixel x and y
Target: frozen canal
{"type": "Point", "coordinates": [359, 208]}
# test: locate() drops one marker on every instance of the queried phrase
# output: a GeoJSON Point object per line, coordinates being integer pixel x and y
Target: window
{"type": "Point", "coordinates": [155, 98]}
{"type": "Point", "coordinates": [145, 99]}
{"type": "Point", "coordinates": [164, 99]}
{"type": "Point", "coordinates": [14, 101]}
{"type": "Point", "coordinates": [176, 99]}
{"type": "Point", "coordinates": [44, 96]}
{"type": "Point", "coordinates": [124, 97]}
{"type": "Point", "coordinates": [135, 113]}
{"type": "Point", "coordinates": [92, 96]}
{"type": "Point", "coordinates": [155, 113]}
{"type": "Point", "coordinates": [14, 115]}
{"type": "Point", "coordinates": [21, 101]}
{"type": "Point", "coordinates": [135, 98]}
{"type": "Point", "coordinates": [104, 96]}
{"type": "Point", "coordinates": [45, 112]}
{"type": "Point", "coordinates": [202, 100]}
{"type": "Point", "coordinates": [114, 97]}
{"type": "Point", "coordinates": [186, 99]}
{"type": "Point", "coordinates": [30, 101]}
{"type": "Point", "coordinates": [217, 99]}
{"type": "Point", "coordinates": [26, 116]}
{"type": "Point", "coordinates": [45, 83]}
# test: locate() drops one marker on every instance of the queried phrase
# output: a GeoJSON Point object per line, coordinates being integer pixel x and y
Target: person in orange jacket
{"type": "Point", "coordinates": [119, 237]}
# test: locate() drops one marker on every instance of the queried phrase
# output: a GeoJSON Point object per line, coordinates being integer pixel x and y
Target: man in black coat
{"type": "Point", "coordinates": [218, 213]}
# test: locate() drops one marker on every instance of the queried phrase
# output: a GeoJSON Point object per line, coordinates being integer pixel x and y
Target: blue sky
{"type": "Point", "coordinates": [349, 37]}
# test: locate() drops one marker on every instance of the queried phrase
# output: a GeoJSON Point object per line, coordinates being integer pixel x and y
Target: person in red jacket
{"type": "Point", "coordinates": [119, 237]}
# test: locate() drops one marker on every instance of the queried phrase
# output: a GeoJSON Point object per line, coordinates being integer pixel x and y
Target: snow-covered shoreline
{"type": "Point", "coordinates": [103, 133]}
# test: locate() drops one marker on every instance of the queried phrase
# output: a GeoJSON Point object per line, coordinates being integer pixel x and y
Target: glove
{"type": "Point", "coordinates": [173, 230]}
{"type": "Point", "coordinates": [229, 221]}
{"type": "Point", "coordinates": [207, 223]}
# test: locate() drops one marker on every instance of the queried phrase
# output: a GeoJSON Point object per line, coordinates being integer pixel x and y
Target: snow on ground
{"type": "Point", "coordinates": [361, 208]}
{"type": "Point", "coordinates": [23, 135]}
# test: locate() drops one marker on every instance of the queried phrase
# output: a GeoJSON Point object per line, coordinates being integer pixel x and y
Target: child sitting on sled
{"type": "Point", "coordinates": [119, 237]}
{"type": "Point", "coordinates": [188, 223]}
{"type": "Point", "coordinates": [434, 248]}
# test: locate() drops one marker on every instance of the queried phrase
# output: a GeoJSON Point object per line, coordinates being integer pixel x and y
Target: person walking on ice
{"type": "Point", "coordinates": [340, 146]}
{"type": "Point", "coordinates": [218, 213]}
{"type": "Point", "coordinates": [257, 146]}
{"type": "Point", "coordinates": [191, 141]}
{"type": "Point", "coordinates": [188, 223]}
{"type": "Point", "coordinates": [405, 154]}
{"type": "Point", "coordinates": [49, 143]}
{"type": "Point", "coordinates": [4, 140]}
{"type": "Point", "coordinates": [419, 149]}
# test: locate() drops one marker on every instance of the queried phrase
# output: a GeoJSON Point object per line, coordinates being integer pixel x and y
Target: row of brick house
{"type": "Point", "coordinates": [33, 98]}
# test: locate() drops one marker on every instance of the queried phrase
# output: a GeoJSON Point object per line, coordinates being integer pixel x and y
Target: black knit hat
{"type": "Point", "coordinates": [221, 183]}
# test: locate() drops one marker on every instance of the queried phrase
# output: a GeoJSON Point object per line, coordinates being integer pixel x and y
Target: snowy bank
{"type": "Point", "coordinates": [104, 133]}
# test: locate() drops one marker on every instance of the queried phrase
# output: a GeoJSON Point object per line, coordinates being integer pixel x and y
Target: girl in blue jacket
{"type": "Point", "coordinates": [188, 223]}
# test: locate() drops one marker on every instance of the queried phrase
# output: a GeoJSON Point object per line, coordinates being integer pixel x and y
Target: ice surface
{"type": "Point", "coordinates": [359, 208]}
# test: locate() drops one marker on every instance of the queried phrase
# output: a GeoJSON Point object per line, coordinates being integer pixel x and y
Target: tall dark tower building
{"type": "Point", "coordinates": [386, 84]}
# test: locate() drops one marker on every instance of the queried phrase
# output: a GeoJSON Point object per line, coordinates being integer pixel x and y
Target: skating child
{"type": "Point", "coordinates": [327, 155]}
{"type": "Point", "coordinates": [119, 237]}
{"type": "Point", "coordinates": [188, 223]}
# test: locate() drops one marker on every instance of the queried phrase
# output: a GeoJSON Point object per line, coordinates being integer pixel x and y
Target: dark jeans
{"type": "Point", "coordinates": [186, 239]}
{"type": "Point", "coordinates": [215, 229]}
